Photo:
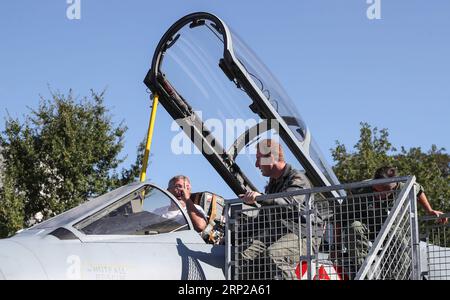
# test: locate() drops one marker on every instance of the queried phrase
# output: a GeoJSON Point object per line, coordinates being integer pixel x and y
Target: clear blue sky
{"type": "Point", "coordinates": [340, 67]}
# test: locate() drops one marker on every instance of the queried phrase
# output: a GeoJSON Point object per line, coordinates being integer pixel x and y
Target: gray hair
{"type": "Point", "coordinates": [175, 178]}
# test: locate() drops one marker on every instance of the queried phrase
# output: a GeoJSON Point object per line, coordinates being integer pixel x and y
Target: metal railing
{"type": "Point", "coordinates": [360, 235]}
{"type": "Point", "coordinates": [437, 237]}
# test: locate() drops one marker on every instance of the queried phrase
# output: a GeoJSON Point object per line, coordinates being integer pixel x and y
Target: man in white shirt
{"type": "Point", "coordinates": [180, 187]}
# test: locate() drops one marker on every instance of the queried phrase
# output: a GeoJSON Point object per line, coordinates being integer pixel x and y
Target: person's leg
{"type": "Point", "coordinates": [285, 254]}
{"type": "Point", "coordinates": [358, 246]}
{"type": "Point", "coordinates": [254, 250]}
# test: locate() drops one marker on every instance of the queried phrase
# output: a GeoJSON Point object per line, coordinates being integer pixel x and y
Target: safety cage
{"type": "Point", "coordinates": [363, 235]}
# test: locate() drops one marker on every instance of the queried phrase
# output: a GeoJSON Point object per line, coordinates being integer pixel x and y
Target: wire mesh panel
{"type": "Point", "coordinates": [357, 221]}
{"type": "Point", "coordinates": [438, 248]}
{"type": "Point", "coordinates": [394, 259]}
{"type": "Point", "coordinates": [267, 243]}
{"type": "Point", "coordinates": [329, 238]}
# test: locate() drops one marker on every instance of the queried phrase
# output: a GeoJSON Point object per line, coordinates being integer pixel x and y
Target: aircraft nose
{"type": "Point", "coordinates": [18, 262]}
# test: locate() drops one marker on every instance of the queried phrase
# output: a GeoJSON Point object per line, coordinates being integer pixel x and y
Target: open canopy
{"type": "Point", "coordinates": [225, 99]}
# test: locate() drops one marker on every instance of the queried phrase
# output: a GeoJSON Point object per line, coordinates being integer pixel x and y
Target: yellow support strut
{"type": "Point", "coordinates": [151, 126]}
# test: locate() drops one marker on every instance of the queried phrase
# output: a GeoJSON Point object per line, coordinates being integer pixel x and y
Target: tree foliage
{"type": "Point", "coordinates": [374, 150]}
{"type": "Point", "coordinates": [65, 152]}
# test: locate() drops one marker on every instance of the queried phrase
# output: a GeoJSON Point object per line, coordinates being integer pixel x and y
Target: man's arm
{"type": "Point", "coordinates": [197, 218]}
{"type": "Point", "coordinates": [423, 200]}
{"type": "Point", "coordinates": [249, 197]}
{"type": "Point", "coordinates": [297, 181]}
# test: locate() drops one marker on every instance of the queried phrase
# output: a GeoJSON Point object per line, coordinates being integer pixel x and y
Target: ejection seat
{"type": "Point", "coordinates": [213, 205]}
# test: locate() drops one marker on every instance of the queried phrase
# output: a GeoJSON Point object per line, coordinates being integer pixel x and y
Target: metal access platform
{"type": "Point", "coordinates": [358, 236]}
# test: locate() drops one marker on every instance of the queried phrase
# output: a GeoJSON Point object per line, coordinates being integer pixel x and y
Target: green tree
{"type": "Point", "coordinates": [373, 150]}
{"type": "Point", "coordinates": [12, 212]}
{"type": "Point", "coordinates": [64, 152]}
{"type": "Point", "coordinates": [133, 172]}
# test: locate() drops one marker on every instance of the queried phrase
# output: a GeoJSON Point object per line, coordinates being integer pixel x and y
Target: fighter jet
{"type": "Point", "coordinates": [118, 235]}
{"type": "Point", "coordinates": [201, 71]}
